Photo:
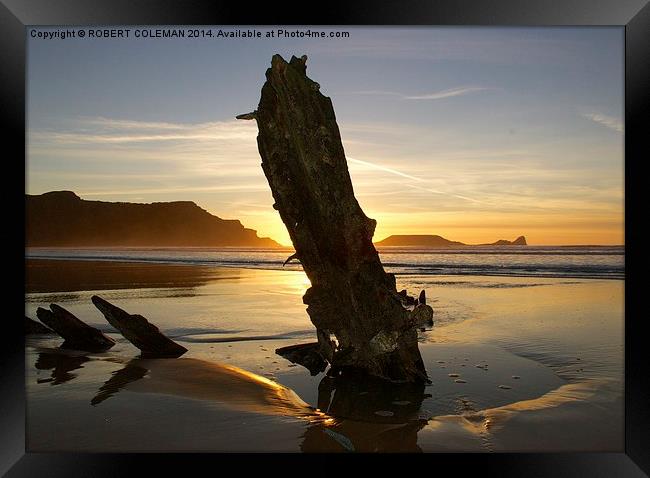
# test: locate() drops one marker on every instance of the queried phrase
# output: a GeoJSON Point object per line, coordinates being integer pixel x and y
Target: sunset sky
{"type": "Point", "coordinates": [475, 134]}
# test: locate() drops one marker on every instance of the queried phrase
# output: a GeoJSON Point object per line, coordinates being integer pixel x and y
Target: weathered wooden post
{"type": "Point", "coordinates": [360, 321]}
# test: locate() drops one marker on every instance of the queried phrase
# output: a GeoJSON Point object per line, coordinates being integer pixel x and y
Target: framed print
{"type": "Point", "coordinates": [367, 230]}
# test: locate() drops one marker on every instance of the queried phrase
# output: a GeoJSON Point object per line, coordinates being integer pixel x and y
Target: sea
{"type": "Point", "coordinates": [584, 262]}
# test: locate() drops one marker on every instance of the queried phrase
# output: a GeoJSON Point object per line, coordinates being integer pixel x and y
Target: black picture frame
{"type": "Point", "coordinates": [634, 15]}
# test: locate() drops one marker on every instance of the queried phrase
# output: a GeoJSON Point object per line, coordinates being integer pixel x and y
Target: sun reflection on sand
{"type": "Point", "coordinates": [295, 282]}
{"type": "Point", "coordinates": [489, 420]}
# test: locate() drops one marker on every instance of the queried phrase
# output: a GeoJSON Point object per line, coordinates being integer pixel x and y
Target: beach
{"type": "Point", "coordinates": [516, 363]}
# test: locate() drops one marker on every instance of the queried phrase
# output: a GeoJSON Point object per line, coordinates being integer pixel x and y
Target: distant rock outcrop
{"type": "Point", "coordinates": [61, 218]}
{"type": "Point", "coordinates": [418, 240]}
{"type": "Point", "coordinates": [520, 241]}
{"type": "Point", "coordinates": [426, 240]}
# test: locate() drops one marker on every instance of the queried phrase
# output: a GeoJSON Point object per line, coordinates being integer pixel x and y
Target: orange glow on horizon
{"type": "Point", "coordinates": [480, 229]}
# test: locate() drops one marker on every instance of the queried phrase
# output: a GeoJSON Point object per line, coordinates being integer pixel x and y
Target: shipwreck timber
{"type": "Point", "coordinates": [77, 334]}
{"type": "Point", "coordinates": [139, 331]}
{"type": "Point", "coordinates": [360, 321]}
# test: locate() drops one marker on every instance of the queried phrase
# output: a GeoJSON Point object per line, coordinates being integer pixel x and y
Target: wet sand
{"type": "Point", "coordinates": [516, 364]}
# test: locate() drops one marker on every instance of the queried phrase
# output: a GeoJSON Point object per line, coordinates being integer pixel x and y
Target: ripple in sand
{"type": "Point", "coordinates": [459, 380]}
{"type": "Point", "coordinates": [384, 413]}
{"type": "Point", "coordinates": [454, 375]}
{"type": "Point", "coordinates": [505, 387]}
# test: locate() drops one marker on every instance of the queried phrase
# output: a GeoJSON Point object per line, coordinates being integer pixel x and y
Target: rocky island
{"type": "Point", "coordinates": [425, 240]}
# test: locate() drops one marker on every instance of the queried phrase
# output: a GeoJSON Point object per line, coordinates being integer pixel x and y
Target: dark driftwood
{"type": "Point", "coordinates": [33, 327]}
{"type": "Point", "coordinates": [307, 355]}
{"type": "Point", "coordinates": [77, 335]}
{"type": "Point", "coordinates": [139, 331]}
{"type": "Point", "coordinates": [353, 302]}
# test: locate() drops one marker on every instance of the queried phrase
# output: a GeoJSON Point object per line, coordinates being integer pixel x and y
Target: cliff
{"type": "Point", "coordinates": [61, 218]}
{"type": "Point", "coordinates": [438, 241]}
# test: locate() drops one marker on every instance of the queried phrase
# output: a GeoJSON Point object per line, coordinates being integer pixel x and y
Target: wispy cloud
{"type": "Point", "coordinates": [110, 131]}
{"type": "Point", "coordinates": [436, 95]}
{"type": "Point", "coordinates": [129, 192]}
{"type": "Point", "coordinates": [436, 191]}
{"type": "Point", "coordinates": [412, 178]}
{"type": "Point", "coordinates": [447, 93]}
{"type": "Point", "coordinates": [116, 123]}
{"type": "Point", "coordinates": [608, 121]}
{"type": "Point", "coordinates": [384, 168]}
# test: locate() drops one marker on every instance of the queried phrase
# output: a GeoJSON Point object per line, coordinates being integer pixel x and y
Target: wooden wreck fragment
{"type": "Point", "coordinates": [359, 317]}
{"type": "Point", "coordinates": [139, 331]}
{"type": "Point", "coordinates": [33, 327]}
{"type": "Point", "coordinates": [77, 335]}
{"type": "Point", "coordinates": [307, 355]}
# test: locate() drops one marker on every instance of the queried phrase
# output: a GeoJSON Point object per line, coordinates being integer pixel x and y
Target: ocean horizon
{"type": "Point", "coordinates": [583, 262]}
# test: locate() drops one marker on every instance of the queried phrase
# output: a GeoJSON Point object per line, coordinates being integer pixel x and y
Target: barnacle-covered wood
{"type": "Point", "coordinates": [359, 317]}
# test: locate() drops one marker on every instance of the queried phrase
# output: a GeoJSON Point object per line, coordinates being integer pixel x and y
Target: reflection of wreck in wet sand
{"type": "Point", "coordinates": [61, 365]}
{"type": "Point", "coordinates": [359, 415]}
{"type": "Point", "coordinates": [367, 415]}
{"type": "Point", "coordinates": [120, 379]}
{"type": "Point", "coordinates": [225, 385]}
{"type": "Point", "coordinates": [355, 412]}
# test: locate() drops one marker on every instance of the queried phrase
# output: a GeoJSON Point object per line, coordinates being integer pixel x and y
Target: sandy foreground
{"type": "Point", "coordinates": [517, 364]}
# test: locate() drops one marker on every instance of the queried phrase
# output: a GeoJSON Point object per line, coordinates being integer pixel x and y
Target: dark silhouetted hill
{"type": "Point", "coordinates": [418, 240]}
{"type": "Point", "coordinates": [439, 241]}
{"type": "Point", "coordinates": [61, 218]}
{"type": "Point", "coordinates": [520, 241]}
